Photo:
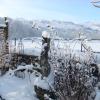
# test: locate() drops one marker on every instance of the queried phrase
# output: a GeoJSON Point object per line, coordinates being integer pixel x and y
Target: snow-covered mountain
{"type": "Point", "coordinates": [68, 30]}
{"type": "Point", "coordinates": [93, 25]}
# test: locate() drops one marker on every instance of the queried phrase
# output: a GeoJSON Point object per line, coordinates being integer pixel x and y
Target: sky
{"type": "Point", "coordinates": [64, 10]}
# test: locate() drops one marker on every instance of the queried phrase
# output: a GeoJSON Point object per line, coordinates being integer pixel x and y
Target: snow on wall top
{"type": "Point", "coordinates": [2, 25]}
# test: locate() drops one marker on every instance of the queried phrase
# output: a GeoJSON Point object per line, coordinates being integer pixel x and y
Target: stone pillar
{"type": "Point", "coordinates": [6, 33]}
{"type": "Point", "coordinates": [44, 64]}
{"type": "Point", "coordinates": [5, 57]}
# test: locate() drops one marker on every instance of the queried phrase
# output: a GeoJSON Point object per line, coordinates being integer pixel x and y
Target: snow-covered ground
{"type": "Point", "coordinates": [13, 88]}
{"type": "Point", "coordinates": [97, 95]}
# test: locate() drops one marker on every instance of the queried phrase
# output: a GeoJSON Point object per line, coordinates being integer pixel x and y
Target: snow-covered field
{"type": "Point", "coordinates": [29, 46]}
{"type": "Point", "coordinates": [32, 46]}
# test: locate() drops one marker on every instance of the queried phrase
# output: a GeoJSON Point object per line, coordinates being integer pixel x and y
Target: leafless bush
{"type": "Point", "coordinates": [73, 78]}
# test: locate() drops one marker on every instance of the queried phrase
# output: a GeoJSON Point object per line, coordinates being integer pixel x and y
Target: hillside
{"type": "Point", "coordinates": [22, 28]}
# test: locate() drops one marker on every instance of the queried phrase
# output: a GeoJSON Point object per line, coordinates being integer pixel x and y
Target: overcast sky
{"type": "Point", "coordinates": [64, 10]}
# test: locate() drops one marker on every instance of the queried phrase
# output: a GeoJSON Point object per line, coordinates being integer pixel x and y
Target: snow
{"type": "Point", "coordinates": [2, 25]}
{"type": "Point", "coordinates": [33, 46]}
{"type": "Point", "coordinates": [41, 83]}
{"type": "Point", "coordinates": [29, 47]}
{"type": "Point", "coordinates": [25, 67]}
{"type": "Point", "coordinates": [46, 82]}
{"type": "Point", "coordinates": [93, 25]}
{"type": "Point", "coordinates": [97, 91]}
{"type": "Point", "coordinates": [45, 34]}
{"type": "Point", "coordinates": [13, 88]}
{"type": "Point", "coordinates": [97, 95]}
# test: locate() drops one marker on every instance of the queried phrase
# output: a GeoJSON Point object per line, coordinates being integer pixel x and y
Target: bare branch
{"type": "Point", "coordinates": [98, 6]}
{"type": "Point", "coordinates": [96, 3]}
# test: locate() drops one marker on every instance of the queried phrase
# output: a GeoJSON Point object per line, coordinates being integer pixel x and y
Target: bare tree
{"type": "Point", "coordinates": [96, 3]}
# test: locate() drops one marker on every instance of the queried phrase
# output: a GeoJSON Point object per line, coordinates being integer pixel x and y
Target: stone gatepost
{"type": "Point", "coordinates": [44, 64]}
{"type": "Point", "coordinates": [6, 33]}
